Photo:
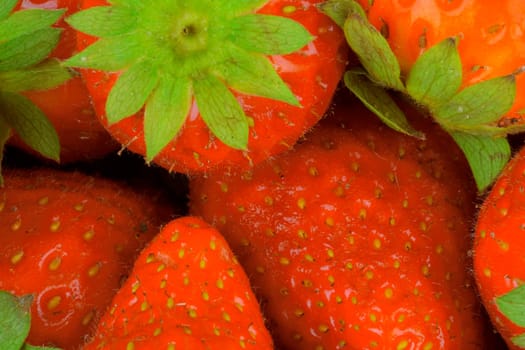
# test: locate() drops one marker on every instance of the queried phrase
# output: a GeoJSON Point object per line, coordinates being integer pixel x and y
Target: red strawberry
{"type": "Point", "coordinates": [194, 84]}
{"type": "Point", "coordinates": [186, 291]}
{"type": "Point", "coordinates": [69, 239]}
{"type": "Point", "coordinates": [65, 104]}
{"type": "Point", "coordinates": [499, 252]}
{"type": "Point", "coordinates": [357, 238]}
{"type": "Point", "coordinates": [461, 60]}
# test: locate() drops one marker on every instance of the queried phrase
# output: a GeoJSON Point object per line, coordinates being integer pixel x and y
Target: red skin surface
{"type": "Point", "coordinates": [358, 238]}
{"type": "Point", "coordinates": [75, 237]}
{"type": "Point", "coordinates": [183, 263]}
{"type": "Point", "coordinates": [499, 250]}
{"type": "Point", "coordinates": [492, 41]}
{"type": "Point", "coordinates": [68, 106]}
{"type": "Point", "coordinates": [312, 74]}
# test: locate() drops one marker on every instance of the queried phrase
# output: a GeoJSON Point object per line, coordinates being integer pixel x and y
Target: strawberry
{"type": "Point", "coordinates": [192, 85]}
{"type": "Point", "coordinates": [461, 60]}
{"type": "Point", "coordinates": [186, 291]}
{"type": "Point", "coordinates": [358, 238]}
{"type": "Point", "coordinates": [499, 253]}
{"type": "Point", "coordinates": [68, 239]}
{"type": "Point", "coordinates": [54, 114]}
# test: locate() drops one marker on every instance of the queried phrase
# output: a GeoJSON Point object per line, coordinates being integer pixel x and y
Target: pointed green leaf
{"type": "Point", "coordinates": [339, 10]}
{"type": "Point", "coordinates": [15, 320]}
{"type": "Point", "coordinates": [25, 22]}
{"type": "Point", "coordinates": [379, 101]}
{"type": "Point", "coordinates": [46, 75]}
{"type": "Point", "coordinates": [436, 76]}
{"type": "Point", "coordinates": [486, 155]}
{"type": "Point", "coordinates": [270, 35]}
{"type": "Point", "coordinates": [165, 114]}
{"type": "Point", "coordinates": [108, 54]}
{"type": "Point", "coordinates": [253, 74]}
{"type": "Point", "coordinates": [130, 92]}
{"type": "Point", "coordinates": [373, 51]}
{"type": "Point", "coordinates": [33, 347]}
{"type": "Point", "coordinates": [512, 305]}
{"type": "Point", "coordinates": [103, 21]}
{"type": "Point", "coordinates": [30, 124]}
{"type": "Point", "coordinates": [221, 112]}
{"type": "Point", "coordinates": [519, 340]}
{"type": "Point", "coordinates": [482, 103]}
{"type": "Point", "coordinates": [29, 49]}
{"type": "Point", "coordinates": [6, 7]}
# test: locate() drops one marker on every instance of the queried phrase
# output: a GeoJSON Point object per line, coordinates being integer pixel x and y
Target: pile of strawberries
{"type": "Point", "coordinates": [262, 174]}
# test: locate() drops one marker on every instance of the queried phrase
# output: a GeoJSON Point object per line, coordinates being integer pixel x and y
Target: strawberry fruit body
{"type": "Point", "coordinates": [490, 37]}
{"type": "Point", "coordinates": [68, 240]}
{"type": "Point", "coordinates": [499, 252]}
{"type": "Point", "coordinates": [67, 105]}
{"type": "Point", "coordinates": [201, 83]}
{"type": "Point", "coordinates": [186, 291]}
{"type": "Point", "coordinates": [357, 238]}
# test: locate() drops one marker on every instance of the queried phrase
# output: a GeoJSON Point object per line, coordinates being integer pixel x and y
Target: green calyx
{"type": "Point", "coordinates": [469, 115]}
{"type": "Point", "coordinates": [26, 40]}
{"type": "Point", "coordinates": [170, 52]}
{"type": "Point", "coordinates": [512, 306]}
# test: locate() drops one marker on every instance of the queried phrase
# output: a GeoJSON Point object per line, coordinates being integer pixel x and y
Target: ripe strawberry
{"type": "Point", "coordinates": [186, 291]}
{"type": "Point", "coordinates": [499, 253]}
{"type": "Point", "coordinates": [65, 104]}
{"type": "Point", "coordinates": [357, 238]}
{"type": "Point", "coordinates": [461, 60]}
{"type": "Point", "coordinates": [191, 85]}
{"type": "Point", "coordinates": [69, 239]}
{"type": "Point", "coordinates": [491, 39]}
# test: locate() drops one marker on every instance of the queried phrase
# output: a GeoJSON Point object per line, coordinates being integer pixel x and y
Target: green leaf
{"type": "Point", "coordinates": [483, 103]}
{"type": "Point", "coordinates": [130, 92]}
{"type": "Point", "coordinates": [221, 112]}
{"type": "Point", "coordinates": [30, 124]}
{"type": "Point", "coordinates": [519, 340]}
{"type": "Point", "coordinates": [32, 347]}
{"type": "Point", "coordinates": [165, 114]}
{"type": "Point", "coordinates": [253, 74]}
{"type": "Point", "coordinates": [29, 49]}
{"type": "Point", "coordinates": [379, 101]}
{"type": "Point", "coordinates": [103, 21]}
{"type": "Point", "coordinates": [108, 54]}
{"type": "Point", "coordinates": [436, 76]}
{"type": "Point", "coordinates": [266, 34]}
{"type": "Point", "coordinates": [512, 305]}
{"type": "Point", "coordinates": [46, 75]}
{"type": "Point", "coordinates": [339, 10]}
{"type": "Point", "coordinates": [6, 7]}
{"type": "Point", "coordinates": [25, 22]}
{"type": "Point", "coordinates": [241, 7]}
{"type": "Point", "coordinates": [373, 52]}
{"type": "Point", "coordinates": [486, 155]}
{"type": "Point", "coordinates": [15, 320]}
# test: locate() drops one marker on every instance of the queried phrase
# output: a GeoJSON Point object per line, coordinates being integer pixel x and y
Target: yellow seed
{"type": "Point", "coordinates": [313, 171]}
{"type": "Point", "coordinates": [268, 200]}
{"type": "Point", "coordinates": [299, 313]}
{"type": "Point", "coordinates": [181, 253]}
{"type": "Point", "coordinates": [88, 318]}
{"type": "Point", "coordinates": [220, 284]}
{"type": "Point", "coordinates": [144, 306]}
{"type": "Point", "coordinates": [163, 284]}
{"type": "Point", "coordinates": [289, 9]}
{"type": "Point", "coordinates": [323, 328]}
{"type": "Point", "coordinates": [192, 313]}
{"type": "Point", "coordinates": [186, 280]}
{"type": "Point", "coordinates": [301, 203]}
{"type": "Point", "coordinates": [55, 225]}
{"type": "Point", "coordinates": [354, 300]}
{"type": "Point", "coordinates": [439, 249]}
{"type": "Point", "coordinates": [330, 253]}
{"type": "Point", "coordinates": [17, 257]}
{"type": "Point", "coordinates": [503, 245]}
{"type": "Point", "coordinates": [362, 214]}
{"type": "Point", "coordinates": [373, 317]}
{"type": "Point", "coordinates": [487, 272]}
{"type": "Point", "coordinates": [161, 267]}
{"type": "Point", "coordinates": [402, 345]}
{"type": "Point", "coordinates": [389, 293]}
{"type": "Point", "coordinates": [170, 303]}
{"type": "Point", "coordinates": [79, 207]}
{"type": "Point", "coordinates": [130, 346]}
{"type": "Point", "coordinates": [307, 283]}
{"type": "Point", "coordinates": [15, 226]}
{"type": "Point", "coordinates": [94, 270]}
{"type": "Point", "coordinates": [330, 222]}
{"type": "Point", "coordinates": [171, 347]}
{"type": "Point", "coordinates": [425, 270]}
{"type": "Point", "coordinates": [284, 261]}
{"type": "Point", "coordinates": [202, 263]}
{"type": "Point", "coordinates": [428, 346]}
{"type": "Point", "coordinates": [226, 317]}
{"type": "Point", "coordinates": [309, 258]}
{"type": "Point", "coordinates": [369, 274]}
{"type": "Point", "coordinates": [302, 234]}
{"type": "Point", "coordinates": [88, 235]}
{"type": "Point", "coordinates": [157, 332]}
{"type": "Point", "coordinates": [377, 243]}
{"type": "Point", "coordinates": [54, 302]}
{"type": "Point", "coordinates": [397, 264]}
{"type": "Point", "coordinates": [175, 236]}
{"type": "Point", "coordinates": [150, 258]}
{"type": "Point", "coordinates": [43, 200]}
{"type": "Point", "coordinates": [55, 263]}
{"type": "Point", "coordinates": [224, 187]}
